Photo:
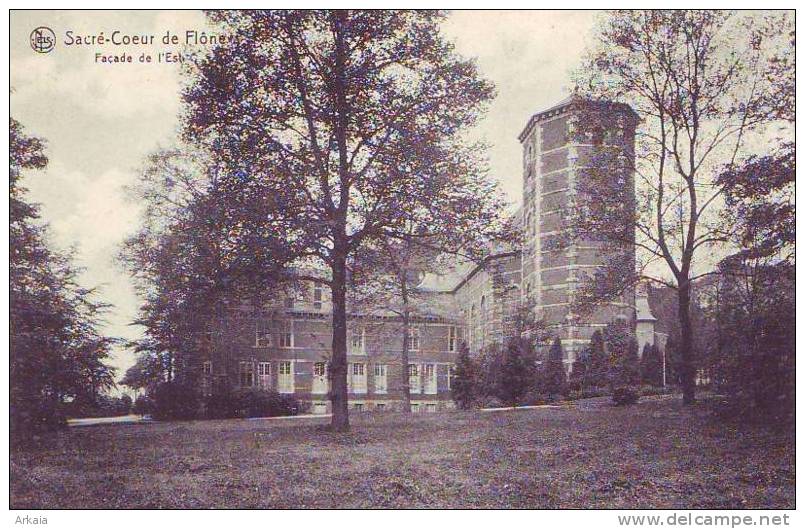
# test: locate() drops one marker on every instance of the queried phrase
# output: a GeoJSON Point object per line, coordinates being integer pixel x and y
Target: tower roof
{"type": "Point", "coordinates": [643, 311]}
{"type": "Point", "coordinates": [565, 105]}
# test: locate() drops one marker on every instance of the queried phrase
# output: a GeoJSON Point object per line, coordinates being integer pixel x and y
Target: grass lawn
{"type": "Point", "coordinates": [656, 454]}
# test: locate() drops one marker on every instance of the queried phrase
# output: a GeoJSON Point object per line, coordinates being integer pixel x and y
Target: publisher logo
{"type": "Point", "coordinates": [43, 40]}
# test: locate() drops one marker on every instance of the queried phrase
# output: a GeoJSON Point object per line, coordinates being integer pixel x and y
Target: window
{"type": "Point", "coordinates": [318, 296]}
{"type": "Point", "coordinates": [296, 296]}
{"type": "Point", "coordinates": [451, 372]}
{"type": "Point", "coordinates": [246, 371]}
{"type": "Point", "coordinates": [286, 334]}
{"type": "Point", "coordinates": [452, 338]}
{"type": "Point", "coordinates": [319, 408]}
{"type": "Point", "coordinates": [430, 408]}
{"type": "Point", "coordinates": [415, 408]}
{"type": "Point", "coordinates": [381, 381]}
{"type": "Point", "coordinates": [597, 135]}
{"type": "Point", "coordinates": [262, 335]}
{"type": "Point", "coordinates": [206, 382]}
{"type": "Point", "coordinates": [413, 378]}
{"type": "Point", "coordinates": [356, 341]}
{"type": "Point", "coordinates": [358, 406]}
{"type": "Point", "coordinates": [320, 369]}
{"type": "Point", "coordinates": [413, 339]}
{"type": "Point", "coordinates": [429, 374]}
{"type": "Point", "coordinates": [264, 374]}
{"type": "Point", "coordinates": [319, 378]}
{"type": "Point", "coordinates": [356, 381]}
{"type": "Point", "coordinates": [380, 406]}
{"type": "Point", "coordinates": [285, 379]}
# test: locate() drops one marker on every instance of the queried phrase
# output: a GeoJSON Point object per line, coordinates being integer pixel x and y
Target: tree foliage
{"type": "Point", "coordinates": [651, 365]}
{"type": "Point", "coordinates": [57, 351]}
{"type": "Point", "coordinates": [186, 266]}
{"type": "Point", "coordinates": [707, 86]}
{"type": "Point", "coordinates": [752, 354]}
{"type": "Point", "coordinates": [517, 374]}
{"type": "Point", "coordinates": [336, 129]}
{"type": "Point", "coordinates": [624, 362]}
{"type": "Point", "coordinates": [555, 377]}
{"type": "Point", "coordinates": [464, 384]}
{"type": "Point", "coordinates": [591, 367]}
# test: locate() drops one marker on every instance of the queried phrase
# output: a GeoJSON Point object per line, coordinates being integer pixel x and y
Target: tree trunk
{"type": "Point", "coordinates": [406, 379]}
{"type": "Point", "coordinates": [338, 363]}
{"type": "Point", "coordinates": [686, 344]}
{"type": "Point", "coordinates": [340, 421]}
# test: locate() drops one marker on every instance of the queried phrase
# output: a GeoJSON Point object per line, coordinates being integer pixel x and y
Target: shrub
{"type": "Point", "coordinates": [143, 405]}
{"type": "Point", "coordinates": [176, 400]}
{"type": "Point", "coordinates": [491, 402]}
{"type": "Point", "coordinates": [36, 417]}
{"type": "Point", "coordinates": [220, 406]}
{"type": "Point", "coordinates": [464, 385]}
{"type": "Point", "coordinates": [578, 372]}
{"type": "Point", "coordinates": [516, 374]}
{"type": "Point", "coordinates": [624, 395]}
{"type": "Point", "coordinates": [597, 361]}
{"type": "Point", "coordinates": [99, 406]}
{"type": "Point", "coordinates": [250, 403]}
{"type": "Point", "coordinates": [653, 390]}
{"type": "Point", "coordinates": [555, 378]}
{"type": "Point", "coordinates": [624, 373]}
{"type": "Point", "coordinates": [533, 398]}
{"type": "Point", "coordinates": [651, 365]}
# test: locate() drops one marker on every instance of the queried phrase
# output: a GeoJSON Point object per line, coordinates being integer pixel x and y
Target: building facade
{"type": "Point", "coordinates": [286, 347]}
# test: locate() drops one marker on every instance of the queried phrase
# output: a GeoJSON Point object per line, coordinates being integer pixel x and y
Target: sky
{"type": "Point", "coordinates": [101, 120]}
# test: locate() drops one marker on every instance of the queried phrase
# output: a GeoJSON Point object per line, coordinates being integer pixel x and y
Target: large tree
{"type": "Point", "coordinates": [702, 84]}
{"type": "Point", "coordinates": [186, 264]}
{"type": "Point", "coordinates": [57, 352]}
{"type": "Point", "coordinates": [751, 357]}
{"type": "Point", "coordinates": [343, 126]}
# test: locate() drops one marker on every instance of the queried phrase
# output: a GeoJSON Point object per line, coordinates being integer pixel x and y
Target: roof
{"type": "Point", "coordinates": [563, 106]}
{"type": "Point", "coordinates": [643, 311]}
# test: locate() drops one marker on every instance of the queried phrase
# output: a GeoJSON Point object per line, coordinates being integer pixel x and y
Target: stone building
{"type": "Point", "coordinates": [285, 346]}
